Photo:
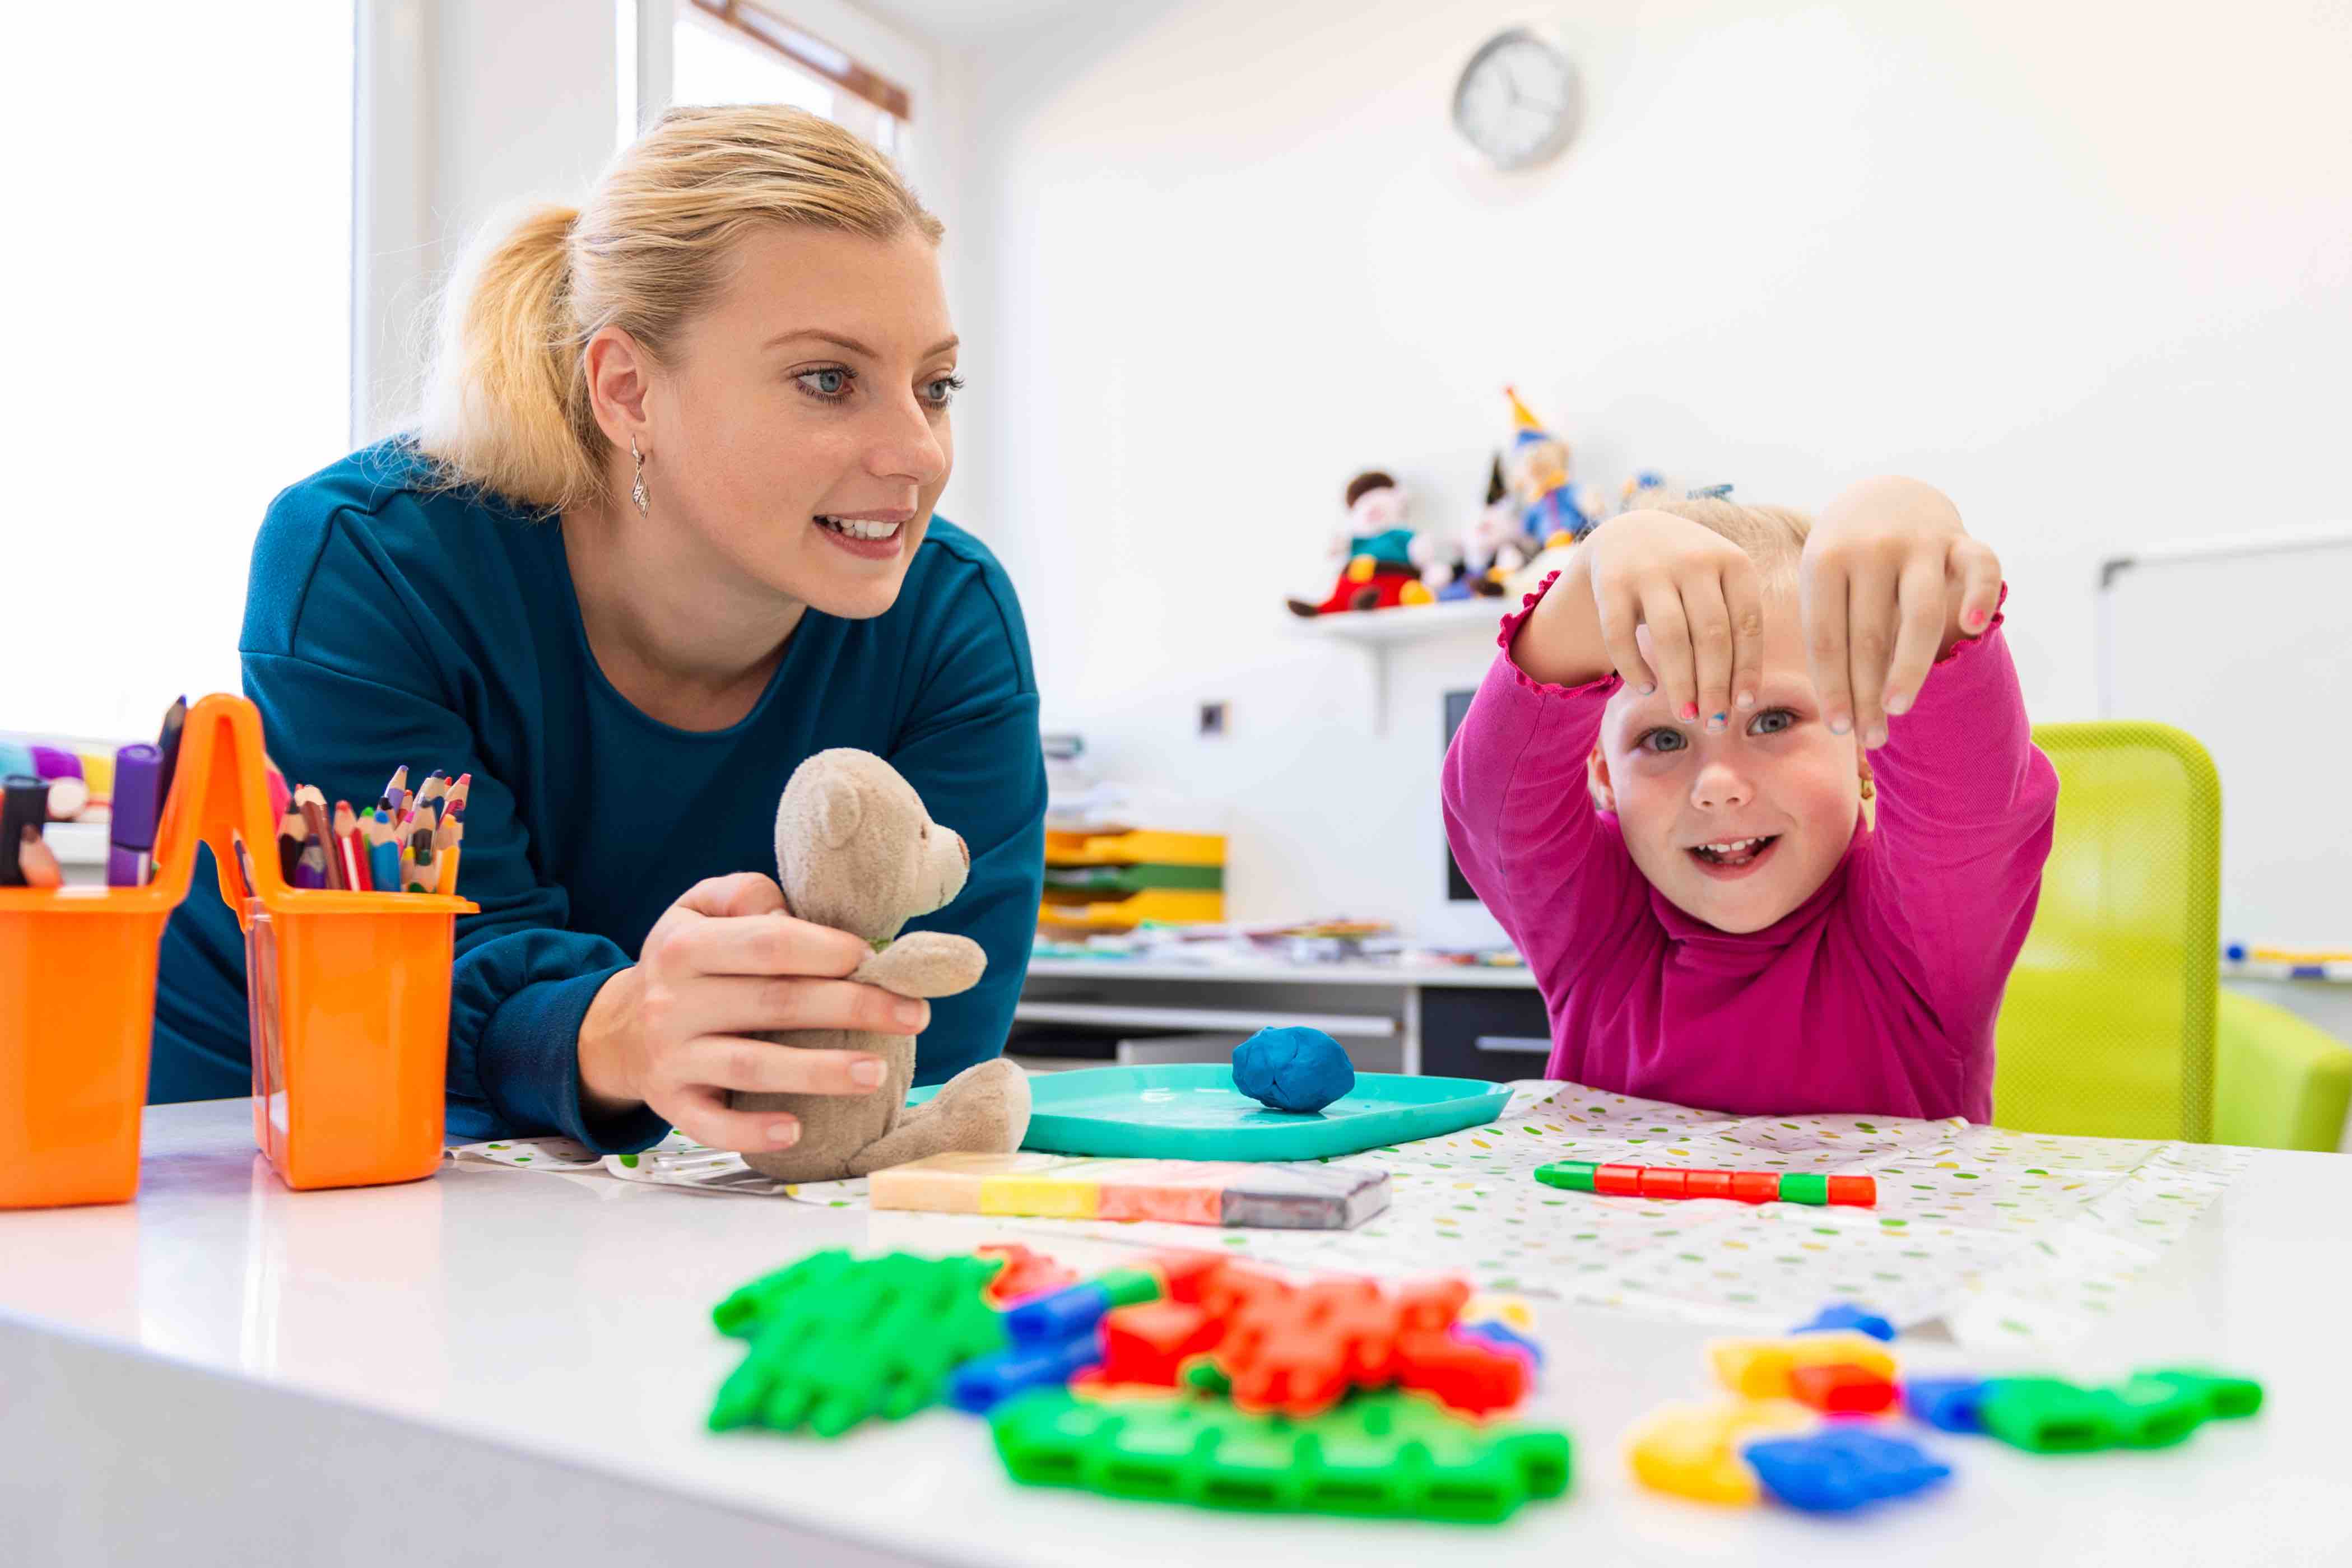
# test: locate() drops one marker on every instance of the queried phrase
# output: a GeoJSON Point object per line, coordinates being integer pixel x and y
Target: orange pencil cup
{"type": "Point", "coordinates": [349, 995]}
{"type": "Point", "coordinates": [77, 1005]}
{"type": "Point", "coordinates": [349, 1016]}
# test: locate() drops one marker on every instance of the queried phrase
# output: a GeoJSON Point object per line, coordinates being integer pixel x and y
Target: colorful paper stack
{"type": "Point", "coordinates": [1267, 1195]}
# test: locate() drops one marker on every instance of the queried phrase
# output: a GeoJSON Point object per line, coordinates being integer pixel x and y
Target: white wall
{"type": "Point", "coordinates": [2081, 265]}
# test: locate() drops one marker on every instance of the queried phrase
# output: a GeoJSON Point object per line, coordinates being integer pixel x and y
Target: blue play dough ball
{"type": "Point", "coordinates": [1293, 1069]}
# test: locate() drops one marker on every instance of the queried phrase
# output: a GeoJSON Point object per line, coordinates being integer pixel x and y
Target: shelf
{"type": "Point", "coordinates": [1377, 630]}
{"type": "Point", "coordinates": [1406, 623]}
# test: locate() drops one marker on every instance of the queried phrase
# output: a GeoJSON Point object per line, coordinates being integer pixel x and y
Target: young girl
{"type": "Point", "coordinates": [1659, 793]}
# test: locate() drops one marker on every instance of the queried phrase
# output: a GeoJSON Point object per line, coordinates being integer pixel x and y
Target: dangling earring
{"type": "Point", "coordinates": [637, 485]}
{"type": "Point", "coordinates": [1869, 790]}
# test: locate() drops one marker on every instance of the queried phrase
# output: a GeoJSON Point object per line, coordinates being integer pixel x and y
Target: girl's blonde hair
{"type": "Point", "coordinates": [1771, 537]}
{"type": "Point", "coordinates": [506, 406]}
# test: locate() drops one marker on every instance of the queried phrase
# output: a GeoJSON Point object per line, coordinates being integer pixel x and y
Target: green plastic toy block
{"type": "Point", "coordinates": [2047, 1415]}
{"type": "Point", "coordinates": [1390, 1454]}
{"type": "Point", "coordinates": [2146, 1412]}
{"type": "Point", "coordinates": [1576, 1175]}
{"type": "Point", "coordinates": [1804, 1187]}
{"type": "Point", "coordinates": [2227, 1398]}
{"type": "Point", "coordinates": [836, 1339]}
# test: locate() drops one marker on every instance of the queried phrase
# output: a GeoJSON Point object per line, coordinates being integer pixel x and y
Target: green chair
{"type": "Point", "coordinates": [2113, 1024]}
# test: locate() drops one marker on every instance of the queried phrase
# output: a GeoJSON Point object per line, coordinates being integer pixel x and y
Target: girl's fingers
{"type": "Point", "coordinates": [1670, 648]}
{"type": "Point", "coordinates": [1620, 614]}
{"type": "Point", "coordinates": [762, 1066]}
{"type": "Point", "coordinates": [1709, 620]}
{"type": "Point", "coordinates": [1822, 591]}
{"type": "Point", "coordinates": [1921, 633]}
{"type": "Point", "coordinates": [1977, 570]}
{"type": "Point", "coordinates": [1869, 647]}
{"type": "Point", "coordinates": [744, 893]}
{"type": "Point", "coordinates": [1743, 598]}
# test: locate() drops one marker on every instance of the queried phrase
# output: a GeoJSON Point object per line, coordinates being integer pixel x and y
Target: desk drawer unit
{"type": "Point", "coordinates": [1498, 1035]}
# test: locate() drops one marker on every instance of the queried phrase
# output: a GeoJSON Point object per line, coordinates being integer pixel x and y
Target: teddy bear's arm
{"type": "Point", "coordinates": [925, 964]}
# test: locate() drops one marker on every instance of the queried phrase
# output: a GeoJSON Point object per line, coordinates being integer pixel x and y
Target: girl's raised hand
{"type": "Point", "coordinates": [1889, 581]}
{"type": "Point", "coordinates": [1696, 603]}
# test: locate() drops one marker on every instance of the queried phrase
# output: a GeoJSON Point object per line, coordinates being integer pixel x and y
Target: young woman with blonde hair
{"type": "Point", "coordinates": [663, 530]}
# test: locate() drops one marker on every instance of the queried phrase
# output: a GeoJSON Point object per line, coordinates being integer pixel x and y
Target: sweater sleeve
{"type": "Point", "coordinates": [970, 748]}
{"type": "Point", "coordinates": [349, 686]}
{"type": "Point", "coordinates": [1966, 808]}
{"type": "Point", "coordinates": [1519, 814]}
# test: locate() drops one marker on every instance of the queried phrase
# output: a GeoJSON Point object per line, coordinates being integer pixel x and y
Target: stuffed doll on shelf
{"type": "Point", "coordinates": [1378, 570]}
{"type": "Point", "coordinates": [1553, 511]}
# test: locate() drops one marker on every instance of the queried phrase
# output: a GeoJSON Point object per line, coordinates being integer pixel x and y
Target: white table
{"type": "Point", "coordinates": [495, 1361]}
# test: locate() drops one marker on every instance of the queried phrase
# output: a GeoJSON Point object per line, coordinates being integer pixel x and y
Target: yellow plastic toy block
{"type": "Point", "coordinates": [1511, 1311]}
{"type": "Point", "coordinates": [1137, 846]}
{"type": "Point", "coordinates": [1692, 1450]}
{"type": "Point", "coordinates": [1759, 1368]}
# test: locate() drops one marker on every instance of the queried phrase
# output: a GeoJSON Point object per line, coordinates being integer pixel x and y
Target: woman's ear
{"type": "Point", "coordinates": [617, 370]}
{"type": "Point", "coordinates": [1596, 778]}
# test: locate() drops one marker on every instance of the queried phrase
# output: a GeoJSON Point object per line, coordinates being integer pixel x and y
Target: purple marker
{"type": "Point", "coordinates": [130, 858]}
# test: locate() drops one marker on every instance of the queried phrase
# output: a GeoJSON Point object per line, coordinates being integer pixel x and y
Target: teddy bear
{"type": "Point", "coordinates": [856, 850]}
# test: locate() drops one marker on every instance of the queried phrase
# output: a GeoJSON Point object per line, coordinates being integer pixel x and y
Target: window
{"type": "Point", "coordinates": [180, 201]}
{"type": "Point", "coordinates": [728, 51]}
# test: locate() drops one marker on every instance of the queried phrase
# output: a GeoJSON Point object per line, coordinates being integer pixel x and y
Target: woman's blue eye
{"type": "Point", "coordinates": [1772, 721]}
{"type": "Point", "coordinates": [1660, 741]}
{"type": "Point", "coordinates": [830, 384]}
{"type": "Point", "coordinates": [943, 388]}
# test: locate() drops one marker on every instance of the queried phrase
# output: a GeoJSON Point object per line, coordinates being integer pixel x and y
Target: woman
{"type": "Point", "coordinates": [665, 531]}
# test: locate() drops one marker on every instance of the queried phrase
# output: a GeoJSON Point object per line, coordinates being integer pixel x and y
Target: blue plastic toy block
{"type": "Point", "coordinates": [980, 1387]}
{"type": "Point", "coordinates": [1948, 1404]}
{"type": "Point", "coordinates": [1841, 1467]}
{"type": "Point", "coordinates": [1053, 1320]}
{"type": "Point", "coordinates": [1846, 1315]}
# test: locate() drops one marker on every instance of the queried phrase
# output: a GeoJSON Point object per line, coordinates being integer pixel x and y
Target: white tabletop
{"type": "Point", "coordinates": [1268, 970]}
{"type": "Point", "coordinates": [495, 1358]}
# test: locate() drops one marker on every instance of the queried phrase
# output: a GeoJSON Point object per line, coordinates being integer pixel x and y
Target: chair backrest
{"type": "Point", "coordinates": [2107, 1026]}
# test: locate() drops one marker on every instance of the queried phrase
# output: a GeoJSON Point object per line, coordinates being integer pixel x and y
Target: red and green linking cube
{"type": "Point", "coordinates": [1743, 1186]}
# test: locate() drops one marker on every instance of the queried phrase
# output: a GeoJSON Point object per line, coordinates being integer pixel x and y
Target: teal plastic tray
{"type": "Point", "coordinates": [1191, 1111]}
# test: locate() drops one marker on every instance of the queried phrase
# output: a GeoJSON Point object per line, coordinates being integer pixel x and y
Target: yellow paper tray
{"type": "Point", "coordinates": [1143, 845]}
{"type": "Point", "coordinates": [1173, 907]}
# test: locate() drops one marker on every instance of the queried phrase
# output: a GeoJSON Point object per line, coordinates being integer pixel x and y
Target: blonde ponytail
{"type": "Point", "coordinates": [506, 406]}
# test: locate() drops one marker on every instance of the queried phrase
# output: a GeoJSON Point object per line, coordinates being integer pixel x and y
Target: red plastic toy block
{"type": "Point", "coordinates": [1433, 1305]}
{"type": "Point", "coordinates": [1706, 1184]}
{"type": "Point", "coordinates": [1854, 1189]}
{"type": "Point", "coordinates": [1149, 1342]}
{"type": "Point", "coordinates": [1025, 1274]}
{"type": "Point", "coordinates": [1840, 1389]}
{"type": "Point", "coordinates": [1660, 1182]}
{"type": "Point", "coordinates": [1475, 1378]}
{"type": "Point", "coordinates": [1755, 1186]}
{"type": "Point", "coordinates": [1618, 1181]}
{"type": "Point", "coordinates": [1185, 1276]}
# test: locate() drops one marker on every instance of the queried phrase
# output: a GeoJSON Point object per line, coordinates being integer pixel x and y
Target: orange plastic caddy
{"type": "Point", "coordinates": [349, 995]}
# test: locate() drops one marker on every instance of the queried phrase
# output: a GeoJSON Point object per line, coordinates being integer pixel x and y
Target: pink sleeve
{"type": "Point", "coordinates": [1520, 818]}
{"type": "Point", "coordinates": [1965, 809]}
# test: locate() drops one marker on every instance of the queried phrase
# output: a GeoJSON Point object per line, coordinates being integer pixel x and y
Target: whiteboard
{"type": "Point", "coordinates": [2246, 644]}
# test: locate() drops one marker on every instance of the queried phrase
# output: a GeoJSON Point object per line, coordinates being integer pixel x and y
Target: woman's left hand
{"type": "Point", "coordinates": [1889, 581]}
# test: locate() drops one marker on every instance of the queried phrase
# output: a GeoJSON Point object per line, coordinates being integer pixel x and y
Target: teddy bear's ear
{"type": "Point", "coordinates": [837, 809]}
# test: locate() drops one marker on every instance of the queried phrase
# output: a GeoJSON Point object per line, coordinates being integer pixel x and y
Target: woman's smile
{"type": "Point", "coordinates": [870, 536]}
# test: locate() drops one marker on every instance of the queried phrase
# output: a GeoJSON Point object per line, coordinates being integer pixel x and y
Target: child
{"type": "Point", "coordinates": [1711, 918]}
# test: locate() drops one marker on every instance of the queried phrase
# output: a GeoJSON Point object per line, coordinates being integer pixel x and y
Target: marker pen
{"type": "Point", "coordinates": [25, 804]}
{"type": "Point", "coordinates": [137, 771]}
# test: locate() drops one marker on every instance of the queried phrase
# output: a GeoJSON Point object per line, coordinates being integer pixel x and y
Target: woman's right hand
{"type": "Point", "coordinates": [724, 961]}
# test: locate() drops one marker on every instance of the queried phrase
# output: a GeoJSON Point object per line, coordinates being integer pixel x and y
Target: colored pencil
{"type": "Point", "coordinates": [417, 871]}
{"type": "Point", "coordinates": [321, 837]}
{"type": "Point", "coordinates": [459, 790]}
{"type": "Point", "coordinates": [291, 829]}
{"type": "Point", "coordinates": [384, 853]}
{"type": "Point", "coordinates": [310, 871]}
{"type": "Point", "coordinates": [399, 782]}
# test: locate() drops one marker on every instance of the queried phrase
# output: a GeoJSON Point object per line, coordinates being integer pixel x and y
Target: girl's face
{"type": "Point", "coordinates": [802, 429]}
{"type": "Point", "coordinates": [1737, 826]}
